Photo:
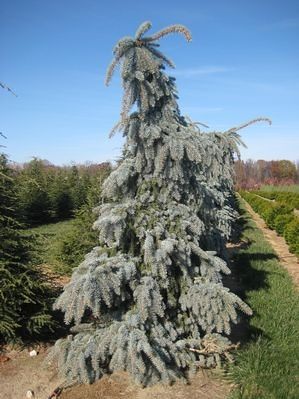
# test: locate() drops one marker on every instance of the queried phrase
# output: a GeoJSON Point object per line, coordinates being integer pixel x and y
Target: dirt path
{"type": "Point", "coordinates": [119, 385]}
{"type": "Point", "coordinates": [22, 373]}
{"type": "Point", "coordinates": [57, 280]}
{"type": "Point", "coordinates": [264, 198]}
{"type": "Point", "coordinates": [288, 260]}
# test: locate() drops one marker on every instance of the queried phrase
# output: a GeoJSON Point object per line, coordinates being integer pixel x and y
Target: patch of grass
{"type": "Point", "coordinates": [267, 365]}
{"type": "Point", "coordinates": [293, 188]}
{"type": "Point", "coordinates": [49, 237]}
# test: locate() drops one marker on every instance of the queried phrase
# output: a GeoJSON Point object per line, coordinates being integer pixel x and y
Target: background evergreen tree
{"type": "Point", "coordinates": [35, 203]}
{"type": "Point", "coordinates": [79, 186]}
{"type": "Point", "coordinates": [82, 238]}
{"type": "Point", "coordinates": [62, 203]}
{"type": "Point", "coordinates": [24, 297]}
{"type": "Point", "coordinates": [149, 298]}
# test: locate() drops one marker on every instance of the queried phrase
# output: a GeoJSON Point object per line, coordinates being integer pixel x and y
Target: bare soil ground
{"type": "Point", "coordinates": [286, 259]}
{"type": "Point", "coordinates": [119, 385]}
{"type": "Point", "coordinates": [22, 373]}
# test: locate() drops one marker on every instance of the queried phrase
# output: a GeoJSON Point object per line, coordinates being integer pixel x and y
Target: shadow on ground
{"type": "Point", "coordinates": [245, 277]}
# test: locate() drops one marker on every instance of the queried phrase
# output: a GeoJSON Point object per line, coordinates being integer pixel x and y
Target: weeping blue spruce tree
{"type": "Point", "coordinates": [149, 298]}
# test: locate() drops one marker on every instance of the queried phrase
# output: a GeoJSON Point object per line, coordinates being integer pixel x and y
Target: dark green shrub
{"type": "Point", "coordinates": [273, 211]}
{"type": "Point", "coordinates": [281, 221]}
{"type": "Point", "coordinates": [291, 235]}
{"type": "Point", "coordinates": [279, 217]}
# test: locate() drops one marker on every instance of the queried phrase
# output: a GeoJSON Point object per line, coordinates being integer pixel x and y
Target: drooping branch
{"type": "Point", "coordinates": [5, 87]}
{"type": "Point", "coordinates": [160, 55]}
{"type": "Point", "coordinates": [261, 119]}
{"type": "Point", "coordinates": [171, 29]}
{"type": "Point", "coordinates": [195, 124]}
{"type": "Point", "coordinates": [144, 27]}
{"type": "Point", "coordinates": [118, 127]}
{"type": "Point", "coordinates": [110, 71]}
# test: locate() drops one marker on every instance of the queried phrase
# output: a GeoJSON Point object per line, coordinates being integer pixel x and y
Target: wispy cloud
{"type": "Point", "coordinates": [208, 70]}
{"type": "Point", "coordinates": [287, 23]}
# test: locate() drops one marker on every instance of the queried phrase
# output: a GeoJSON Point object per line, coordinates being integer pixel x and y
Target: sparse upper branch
{"type": "Point", "coordinates": [124, 45]}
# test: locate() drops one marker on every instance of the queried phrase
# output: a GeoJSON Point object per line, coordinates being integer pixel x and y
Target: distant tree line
{"type": "Point", "coordinates": [253, 174]}
{"type": "Point", "coordinates": [47, 193]}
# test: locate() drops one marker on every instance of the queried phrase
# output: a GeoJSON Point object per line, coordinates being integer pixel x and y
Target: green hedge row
{"type": "Point", "coordinates": [279, 217]}
{"type": "Point", "coordinates": [291, 199]}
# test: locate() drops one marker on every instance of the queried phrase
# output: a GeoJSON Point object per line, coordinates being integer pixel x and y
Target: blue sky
{"type": "Point", "coordinates": [243, 62]}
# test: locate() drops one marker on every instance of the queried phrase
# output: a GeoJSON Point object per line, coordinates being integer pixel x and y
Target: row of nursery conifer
{"type": "Point", "coordinates": [33, 194]}
{"type": "Point", "coordinates": [283, 197]}
{"type": "Point", "coordinates": [278, 216]}
{"type": "Point", "coordinates": [47, 193]}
